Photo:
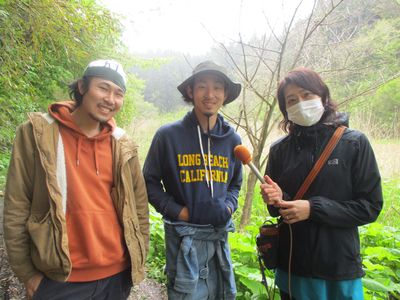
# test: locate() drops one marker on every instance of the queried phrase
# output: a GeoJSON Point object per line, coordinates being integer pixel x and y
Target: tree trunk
{"type": "Point", "coordinates": [248, 202]}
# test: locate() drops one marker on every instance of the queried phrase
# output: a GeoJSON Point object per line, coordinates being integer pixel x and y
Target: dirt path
{"type": "Point", "coordinates": [11, 289]}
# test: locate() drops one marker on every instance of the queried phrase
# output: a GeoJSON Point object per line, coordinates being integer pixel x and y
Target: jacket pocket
{"type": "Point", "coordinates": [43, 249]}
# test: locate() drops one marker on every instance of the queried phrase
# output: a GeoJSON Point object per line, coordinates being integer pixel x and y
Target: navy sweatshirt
{"type": "Point", "coordinates": [178, 175]}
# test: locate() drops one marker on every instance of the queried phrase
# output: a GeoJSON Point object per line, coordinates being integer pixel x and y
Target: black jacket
{"type": "Point", "coordinates": [345, 194]}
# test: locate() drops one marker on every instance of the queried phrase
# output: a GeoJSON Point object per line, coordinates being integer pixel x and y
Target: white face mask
{"type": "Point", "coordinates": [306, 113]}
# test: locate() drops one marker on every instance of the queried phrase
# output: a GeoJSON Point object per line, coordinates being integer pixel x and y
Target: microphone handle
{"type": "Point", "coordinates": [256, 172]}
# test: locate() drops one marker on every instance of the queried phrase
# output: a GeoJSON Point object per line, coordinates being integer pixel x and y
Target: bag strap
{"type": "Point", "coordinates": [320, 162]}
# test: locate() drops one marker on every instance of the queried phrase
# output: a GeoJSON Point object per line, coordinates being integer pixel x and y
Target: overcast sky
{"type": "Point", "coordinates": [185, 25]}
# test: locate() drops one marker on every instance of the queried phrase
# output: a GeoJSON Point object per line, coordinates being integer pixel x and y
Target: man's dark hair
{"type": "Point", "coordinates": [187, 99]}
{"type": "Point", "coordinates": [310, 81]}
{"type": "Point", "coordinates": [74, 92]}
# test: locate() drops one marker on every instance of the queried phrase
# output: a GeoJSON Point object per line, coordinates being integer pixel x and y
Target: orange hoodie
{"type": "Point", "coordinates": [96, 244]}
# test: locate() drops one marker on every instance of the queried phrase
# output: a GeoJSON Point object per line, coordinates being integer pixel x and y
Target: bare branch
{"type": "Point", "coordinates": [258, 63]}
{"type": "Point", "coordinates": [283, 48]}
{"type": "Point", "coordinates": [272, 30]}
{"type": "Point", "coordinates": [244, 57]}
{"type": "Point", "coordinates": [308, 34]}
{"type": "Point", "coordinates": [187, 61]}
{"type": "Point", "coordinates": [305, 35]}
{"type": "Point", "coordinates": [316, 25]}
{"type": "Point", "coordinates": [259, 48]}
{"type": "Point", "coordinates": [371, 89]}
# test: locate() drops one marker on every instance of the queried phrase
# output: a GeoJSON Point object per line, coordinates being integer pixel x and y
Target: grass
{"type": "Point", "coordinates": [388, 158]}
{"type": "Point", "coordinates": [390, 215]}
{"type": "Point", "coordinates": [386, 141]}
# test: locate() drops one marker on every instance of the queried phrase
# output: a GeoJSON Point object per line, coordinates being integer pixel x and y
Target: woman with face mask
{"type": "Point", "coordinates": [319, 247]}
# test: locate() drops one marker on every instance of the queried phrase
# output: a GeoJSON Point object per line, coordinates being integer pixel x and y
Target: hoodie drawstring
{"type": "Point", "coordinates": [96, 163]}
{"type": "Point", "coordinates": [209, 155]}
{"type": "Point", "coordinates": [208, 172]}
{"type": "Point", "coordinates": [78, 150]}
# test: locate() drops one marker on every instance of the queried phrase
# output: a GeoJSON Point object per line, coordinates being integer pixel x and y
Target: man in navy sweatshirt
{"type": "Point", "coordinates": [193, 180]}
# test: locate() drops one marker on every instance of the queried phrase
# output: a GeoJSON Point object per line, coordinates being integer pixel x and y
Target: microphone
{"type": "Point", "coordinates": [243, 154]}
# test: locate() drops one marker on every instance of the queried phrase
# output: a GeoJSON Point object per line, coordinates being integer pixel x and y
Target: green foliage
{"type": "Point", "coordinates": [45, 44]}
{"type": "Point", "coordinates": [244, 254]}
{"type": "Point", "coordinates": [147, 120]}
{"type": "Point", "coordinates": [356, 52]}
{"type": "Point", "coordinates": [381, 259]}
{"type": "Point", "coordinates": [132, 97]}
{"type": "Point", "coordinates": [380, 246]}
{"type": "Point", "coordinates": [4, 160]}
{"type": "Point", "coordinates": [386, 106]}
{"type": "Point", "coordinates": [161, 84]}
{"type": "Point", "coordinates": [377, 48]}
{"type": "Point", "coordinates": [246, 266]}
{"type": "Point", "coordinates": [156, 257]}
{"type": "Point", "coordinates": [391, 195]}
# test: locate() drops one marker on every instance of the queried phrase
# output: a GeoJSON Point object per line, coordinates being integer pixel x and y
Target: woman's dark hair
{"type": "Point", "coordinates": [74, 92]}
{"type": "Point", "coordinates": [310, 81]}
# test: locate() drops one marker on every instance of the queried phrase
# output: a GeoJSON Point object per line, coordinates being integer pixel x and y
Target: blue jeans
{"type": "Point", "coordinates": [198, 263]}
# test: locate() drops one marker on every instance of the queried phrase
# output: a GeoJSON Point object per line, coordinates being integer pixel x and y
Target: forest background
{"type": "Point", "coordinates": [354, 45]}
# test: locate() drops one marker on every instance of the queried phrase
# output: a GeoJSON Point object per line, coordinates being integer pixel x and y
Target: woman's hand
{"type": "Point", "coordinates": [271, 192]}
{"type": "Point", "coordinates": [294, 211]}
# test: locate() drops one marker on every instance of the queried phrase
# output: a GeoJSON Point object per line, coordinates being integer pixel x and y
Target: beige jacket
{"type": "Point", "coordinates": [35, 230]}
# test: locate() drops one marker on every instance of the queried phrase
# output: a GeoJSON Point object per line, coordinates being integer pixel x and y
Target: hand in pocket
{"type": "Point", "coordinates": [32, 284]}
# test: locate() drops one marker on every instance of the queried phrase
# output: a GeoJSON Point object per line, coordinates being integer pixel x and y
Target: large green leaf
{"type": "Point", "coordinates": [374, 285]}
{"type": "Point", "coordinates": [254, 286]}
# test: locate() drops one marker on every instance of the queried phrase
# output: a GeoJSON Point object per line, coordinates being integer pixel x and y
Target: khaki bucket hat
{"type": "Point", "coordinates": [233, 89]}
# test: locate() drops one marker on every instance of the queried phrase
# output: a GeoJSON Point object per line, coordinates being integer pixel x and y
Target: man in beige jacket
{"type": "Point", "coordinates": [76, 222]}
